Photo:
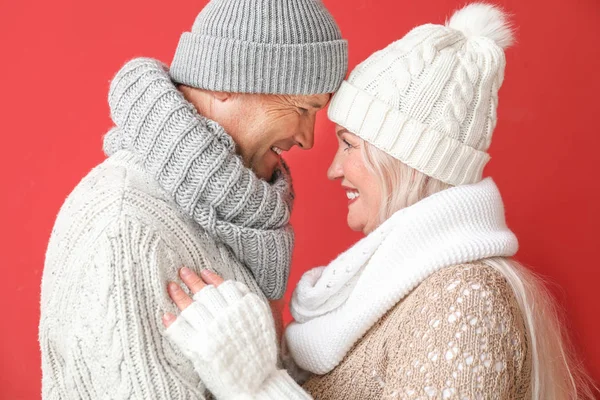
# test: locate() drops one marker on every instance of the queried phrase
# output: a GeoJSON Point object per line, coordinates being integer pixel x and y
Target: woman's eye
{"type": "Point", "coordinates": [348, 145]}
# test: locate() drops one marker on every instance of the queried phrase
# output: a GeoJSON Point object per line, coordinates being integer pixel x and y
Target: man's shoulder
{"type": "Point", "coordinates": [119, 174]}
{"type": "Point", "coordinates": [117, 187]}
{"type": "Point", "coordinates": [119, 197]}
{"type": "Point", "coordinates": [116, 199]}
{"type": "Point", "coordinates": [119, 191]}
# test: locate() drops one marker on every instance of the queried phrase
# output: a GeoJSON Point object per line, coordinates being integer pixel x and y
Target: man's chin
{"type": "Point", "coordinates": [263, 170]}
{"type": "Point", "coordinates": [264, 173]}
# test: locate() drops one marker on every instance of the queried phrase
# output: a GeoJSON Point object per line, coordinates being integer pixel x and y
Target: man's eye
{"type": "Point", "coordinates": [303, 110]}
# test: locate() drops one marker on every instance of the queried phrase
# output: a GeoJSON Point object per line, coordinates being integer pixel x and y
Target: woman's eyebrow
{"type": "Point", "coordinates": [343, 130]}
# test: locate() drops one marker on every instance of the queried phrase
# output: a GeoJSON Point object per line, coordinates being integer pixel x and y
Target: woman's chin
{"type": "Point", "coordinates": [355, 225]}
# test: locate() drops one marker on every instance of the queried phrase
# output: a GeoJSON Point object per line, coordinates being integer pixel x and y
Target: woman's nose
{"type": "Point", "coordinates": [335, 169]}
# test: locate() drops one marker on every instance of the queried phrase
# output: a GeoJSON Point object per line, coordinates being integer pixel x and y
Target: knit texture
{"type": "Point", "coordinates": [458, 335]}
{"type": "Point", "coordinates": [430, 98]}
{"type": "Point", "coordinates": [117, 241]}
{"type": "Point", "coordinates": [229, 334]}
{"type": "Point", "coordinates": [194, 160]}
{"type": "Point", "coordinates": [176, 195]}
{"type": "Point", "coordinates": [262, 46]}
{"type": "Point", "coordinates": [335, 306]}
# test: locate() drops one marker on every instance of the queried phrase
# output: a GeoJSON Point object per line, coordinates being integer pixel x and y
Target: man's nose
{"type": "Point", "coordinates": [306, 134]}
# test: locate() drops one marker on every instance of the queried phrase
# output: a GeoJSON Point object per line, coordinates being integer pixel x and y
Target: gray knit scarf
{"type": "Point", "coordinates": [193, 159]}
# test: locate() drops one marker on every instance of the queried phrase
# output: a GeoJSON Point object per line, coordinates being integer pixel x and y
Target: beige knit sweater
{"type": "Point", "coordinates": [458, 335]}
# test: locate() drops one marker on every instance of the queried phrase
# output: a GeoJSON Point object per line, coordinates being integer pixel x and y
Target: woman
{"type": "Point", "coordinates": [429, 304]}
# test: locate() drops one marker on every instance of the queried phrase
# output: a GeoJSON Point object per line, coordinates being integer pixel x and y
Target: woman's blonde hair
{"type": "Point", "coordinates": [555, 372]}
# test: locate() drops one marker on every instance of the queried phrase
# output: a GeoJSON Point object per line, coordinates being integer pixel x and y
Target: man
{"type": "Point", "coordinates": [197, 183]}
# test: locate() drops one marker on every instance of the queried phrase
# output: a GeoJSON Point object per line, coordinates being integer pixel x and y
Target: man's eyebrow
{"type": "Point", "coordinates": [318, 105]}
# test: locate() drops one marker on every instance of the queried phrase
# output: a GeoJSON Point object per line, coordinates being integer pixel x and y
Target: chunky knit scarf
{"type": "Point", "coordinates": [194, 161]}
{"type": "Point", "coordinates": [335, 306]}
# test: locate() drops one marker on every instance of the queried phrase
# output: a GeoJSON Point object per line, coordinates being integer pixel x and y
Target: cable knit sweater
{"type": "Point", "coordinates": [172, 193]}
{"type": "Point", "coordinates": [458, 335]}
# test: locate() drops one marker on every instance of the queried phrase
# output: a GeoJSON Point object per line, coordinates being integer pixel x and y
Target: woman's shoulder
{"type": "Point", "coordinates": [472, 274]}
{"type": "Point", "coordinates": [457, 299]}
{"type": "Point", "coordinates": [455, 292]}
{"type": "Point", "coordinates": [462, 324]}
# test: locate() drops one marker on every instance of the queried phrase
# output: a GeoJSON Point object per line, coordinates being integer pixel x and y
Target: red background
{"type": "Point", "coordinates": [59, 56]}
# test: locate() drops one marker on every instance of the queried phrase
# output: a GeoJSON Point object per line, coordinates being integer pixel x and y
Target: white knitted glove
{"type": "Point", "coordinates": [229, 334]}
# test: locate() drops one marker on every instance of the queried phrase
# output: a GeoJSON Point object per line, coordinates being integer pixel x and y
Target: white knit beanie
{"type": "Point", "coordinates": [430, 98]}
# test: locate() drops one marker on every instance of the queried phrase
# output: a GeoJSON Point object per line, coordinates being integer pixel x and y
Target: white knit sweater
{"type": "Point", "coordinates": [117, 240]}
{"type": "Point", "coordinates": [172, 193]}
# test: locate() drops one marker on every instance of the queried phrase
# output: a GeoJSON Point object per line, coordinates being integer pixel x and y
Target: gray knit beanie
{"type": "Point", "coordinates": [262, 46]}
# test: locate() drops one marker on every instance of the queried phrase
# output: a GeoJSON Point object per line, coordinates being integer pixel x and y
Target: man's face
{"type": "Point", "coordinates": [263, 126]}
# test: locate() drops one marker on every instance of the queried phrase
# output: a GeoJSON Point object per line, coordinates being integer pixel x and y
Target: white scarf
{"type": "Point", "coordinates": [334, 306]}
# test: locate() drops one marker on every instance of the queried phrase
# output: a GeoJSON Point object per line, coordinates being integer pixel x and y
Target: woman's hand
{"type": "Point", "coordinates": [194, 283]}
{"type": "Point", "coordinates": [226, 331]}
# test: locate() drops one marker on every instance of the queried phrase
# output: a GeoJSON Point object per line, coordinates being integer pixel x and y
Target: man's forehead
{"type": "Point", "coordinates": [313, 100]}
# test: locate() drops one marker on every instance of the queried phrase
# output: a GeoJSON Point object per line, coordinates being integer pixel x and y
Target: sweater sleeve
{"type": "Point", "coordinates": [229, 335]}
{"type": "Point", "coordinates": [469, 341]}
{"type": "Point", "coordinates": [101, 334]}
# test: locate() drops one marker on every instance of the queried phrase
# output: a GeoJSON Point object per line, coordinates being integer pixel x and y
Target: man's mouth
{"type": "Point", "coordinates": [277, 150]}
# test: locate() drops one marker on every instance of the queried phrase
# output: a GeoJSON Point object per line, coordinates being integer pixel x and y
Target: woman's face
{"type": "Point", "coordinates": [361, 186]}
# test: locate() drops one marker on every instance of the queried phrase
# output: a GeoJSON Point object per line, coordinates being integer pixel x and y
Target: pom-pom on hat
{"type": "Point", "coordinates": [430, 98]}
